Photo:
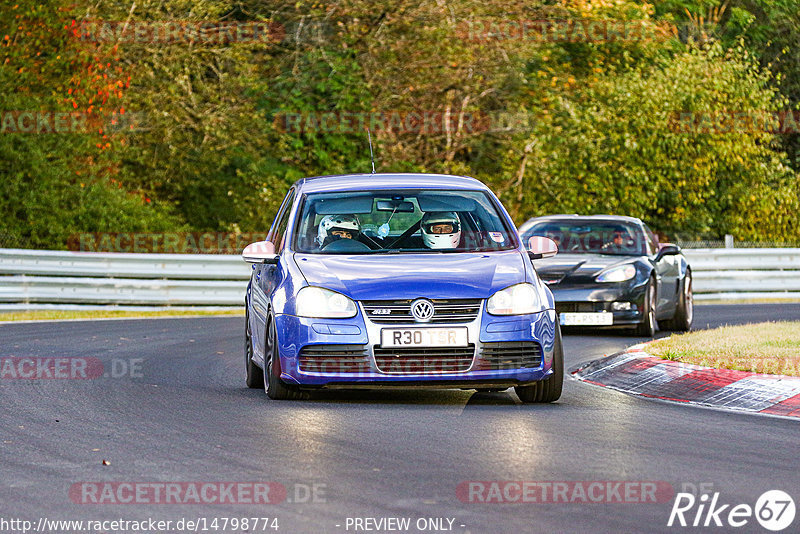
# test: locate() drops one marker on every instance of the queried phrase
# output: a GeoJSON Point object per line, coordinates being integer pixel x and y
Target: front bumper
{"type": "Point", "coordinates": [601, 298]}
{"type": "Point", "coordinates": [333, 353]}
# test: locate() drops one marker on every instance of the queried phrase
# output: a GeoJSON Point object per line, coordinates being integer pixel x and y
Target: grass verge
{"type": "Point", "coordinates": [771, 348]}
{"type": "Point", "coordinates": [60, 315]}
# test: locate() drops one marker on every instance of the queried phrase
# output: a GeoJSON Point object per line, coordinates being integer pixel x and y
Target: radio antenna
{"type": "Point", "coordinates": [371, 157]}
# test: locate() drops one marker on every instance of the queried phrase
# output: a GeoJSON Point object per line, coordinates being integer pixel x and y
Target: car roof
{"type": "Point", "coordinates": [575, 216]}
{"type": "Point", "coordinates": [360, 182]}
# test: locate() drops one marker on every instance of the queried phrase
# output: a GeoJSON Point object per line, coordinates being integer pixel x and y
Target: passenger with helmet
{"type": "Point", "coordinates": [441, 230]}
{"type": "Point", "coordinates": [335, 227]}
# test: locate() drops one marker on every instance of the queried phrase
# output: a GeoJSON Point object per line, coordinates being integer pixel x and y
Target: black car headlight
{"type": "Point", "coordinates": [617, 274]}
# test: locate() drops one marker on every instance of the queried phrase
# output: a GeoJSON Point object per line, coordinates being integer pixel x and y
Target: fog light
{"type": "Point", "coordinates": [620, 306]}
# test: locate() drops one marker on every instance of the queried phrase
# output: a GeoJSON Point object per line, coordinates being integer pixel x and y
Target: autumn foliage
{"type": "Point", "coordinates": [565, 106]}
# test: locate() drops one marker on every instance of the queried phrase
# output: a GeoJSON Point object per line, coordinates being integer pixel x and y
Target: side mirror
{"type": "Point", "coordinates": [541, 247]}
{"type": "Point", "coordinates": [667, 249]}
{"type": "Point", "coordinates": [260, 252]}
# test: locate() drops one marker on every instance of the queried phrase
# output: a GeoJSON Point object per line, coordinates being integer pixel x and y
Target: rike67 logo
{"type": "Point", "coordinates": [774, 510]}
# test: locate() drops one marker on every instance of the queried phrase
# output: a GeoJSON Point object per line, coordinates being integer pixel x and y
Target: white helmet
{"type": "Point", "coordinates": [441, 229]}
{"type": "Point", "coordinates": [337, 222]}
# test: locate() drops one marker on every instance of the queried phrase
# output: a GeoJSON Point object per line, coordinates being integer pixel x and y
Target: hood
{"type": "Point", "coordinates": [577, 266]}
{"type": "Point", "coordinates": [403, 276]}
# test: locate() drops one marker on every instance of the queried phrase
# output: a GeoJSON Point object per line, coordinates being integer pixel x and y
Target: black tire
{"type": "Point", "coordinates": [274, 387]}
{"type": "Point", "coordinates": [254, 377]}
{"type": "Point", "coordinates": [649, 326]}
{"type": "Point", "coordinates": [549, 389]}
{"type": "Point", "coordinates": [684, 313]}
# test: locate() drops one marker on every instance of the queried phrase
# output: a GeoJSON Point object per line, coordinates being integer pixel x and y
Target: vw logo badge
{"type": "Point", "coordinates": [422, 310]}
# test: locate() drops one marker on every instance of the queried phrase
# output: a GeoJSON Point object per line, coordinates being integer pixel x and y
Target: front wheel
{"type": "Point", "coordinates": [684, 313]}
{"type": "Point", "coordinates": [648, 326]}
{"type": "Point", "coordinates": [549, 389]}
{"type": "Point", "coordinates": [274, 387]}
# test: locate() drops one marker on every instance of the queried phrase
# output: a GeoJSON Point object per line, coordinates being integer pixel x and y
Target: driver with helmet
{"type": "Point", "coordinates": [335, 227]}
{"type": "Point", "coordinates": [620, 240]}
{"type": "Point", "coordinates": [441, 229]}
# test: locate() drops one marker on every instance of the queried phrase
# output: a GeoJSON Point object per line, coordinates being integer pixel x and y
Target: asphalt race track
{"type": "Point", "coordinates": [186, 415]}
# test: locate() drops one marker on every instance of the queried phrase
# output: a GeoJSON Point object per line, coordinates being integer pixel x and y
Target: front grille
{"type": "Point", "coordinates": [510, 355]}
{"type": "Point", "coordinates": [571, 307]}
{"type": "Point", "coordinates": [424, 360]}
{"type": "Point", "coordinates": [445, 310]}
{"type": "Point", "coordinates": [334, 359]}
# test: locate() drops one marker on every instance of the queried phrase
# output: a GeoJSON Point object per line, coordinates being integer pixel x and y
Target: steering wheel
{"type": "Point", "coordinates": [346, 245]}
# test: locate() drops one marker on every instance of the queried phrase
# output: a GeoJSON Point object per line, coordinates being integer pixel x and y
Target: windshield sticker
{"type": "Point", "coordinates": [497, 237]}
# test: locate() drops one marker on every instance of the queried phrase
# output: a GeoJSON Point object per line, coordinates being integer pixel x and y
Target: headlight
{"type": "Point", "coordinates": [618, 274]}
{"type": "Point", "coordinates": [515, 300]}
{"type": "Point", "coordinates": [323, 304]}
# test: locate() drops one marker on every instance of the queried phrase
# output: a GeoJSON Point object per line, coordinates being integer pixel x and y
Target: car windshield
{"type": "Point", "coordinates": [403, 221]}
{"type": "Point", "coordinates": [592, 237]}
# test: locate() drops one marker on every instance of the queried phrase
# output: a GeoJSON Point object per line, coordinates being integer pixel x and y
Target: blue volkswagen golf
{"type": "Point", "coordinates": [399, 280]}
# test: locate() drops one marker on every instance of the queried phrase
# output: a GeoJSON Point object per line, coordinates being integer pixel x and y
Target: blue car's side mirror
{"type": "Point", "coordinates": [541, 247]}
{"type": "Point", "coordinates": [260, 252]}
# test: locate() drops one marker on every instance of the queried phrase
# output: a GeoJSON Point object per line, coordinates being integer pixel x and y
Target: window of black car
{"type": "Point", "coordinates": [391, 222]}
{"type": "Point", "coordinates": [282, 222]}
{"type": "Point", "coordinates": [584, 236]}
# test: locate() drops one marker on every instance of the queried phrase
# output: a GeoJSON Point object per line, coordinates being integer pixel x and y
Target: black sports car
{"type": "Point", "coordinates": [612, 271]}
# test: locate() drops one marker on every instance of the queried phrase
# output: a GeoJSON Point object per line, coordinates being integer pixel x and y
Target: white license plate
{"type": "Point", "coordinates": [586, 319]}
{"type": "Point", "coordinates": [424, 337]}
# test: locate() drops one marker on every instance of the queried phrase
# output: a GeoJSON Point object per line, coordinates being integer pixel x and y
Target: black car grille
{"type": "Point", "coordinates": [334, 359]}
{"type": "Point", "coordinates": [510, 355]}
{"type": "Point", "coordinates": [424, 360]}
{"type": "Point", "coordinates": [445, 310]}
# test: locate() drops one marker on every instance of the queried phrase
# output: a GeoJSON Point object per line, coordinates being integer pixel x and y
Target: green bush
{"type": "Point", "coordinates": [616, 147]}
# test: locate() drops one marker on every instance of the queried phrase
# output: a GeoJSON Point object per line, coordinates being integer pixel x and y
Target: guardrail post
{"type": "Point", "coordinates": [728, 241]}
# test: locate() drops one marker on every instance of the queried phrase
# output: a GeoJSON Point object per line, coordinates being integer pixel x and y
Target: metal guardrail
{"type": "Point", "coordinates": [36, 277]}
{"type": "Point", "coordinates": [110, 265]}
{"type": "Point", "coordinates": [742, 273]}
{"type": "Point", "coordinates": [46, 276]}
